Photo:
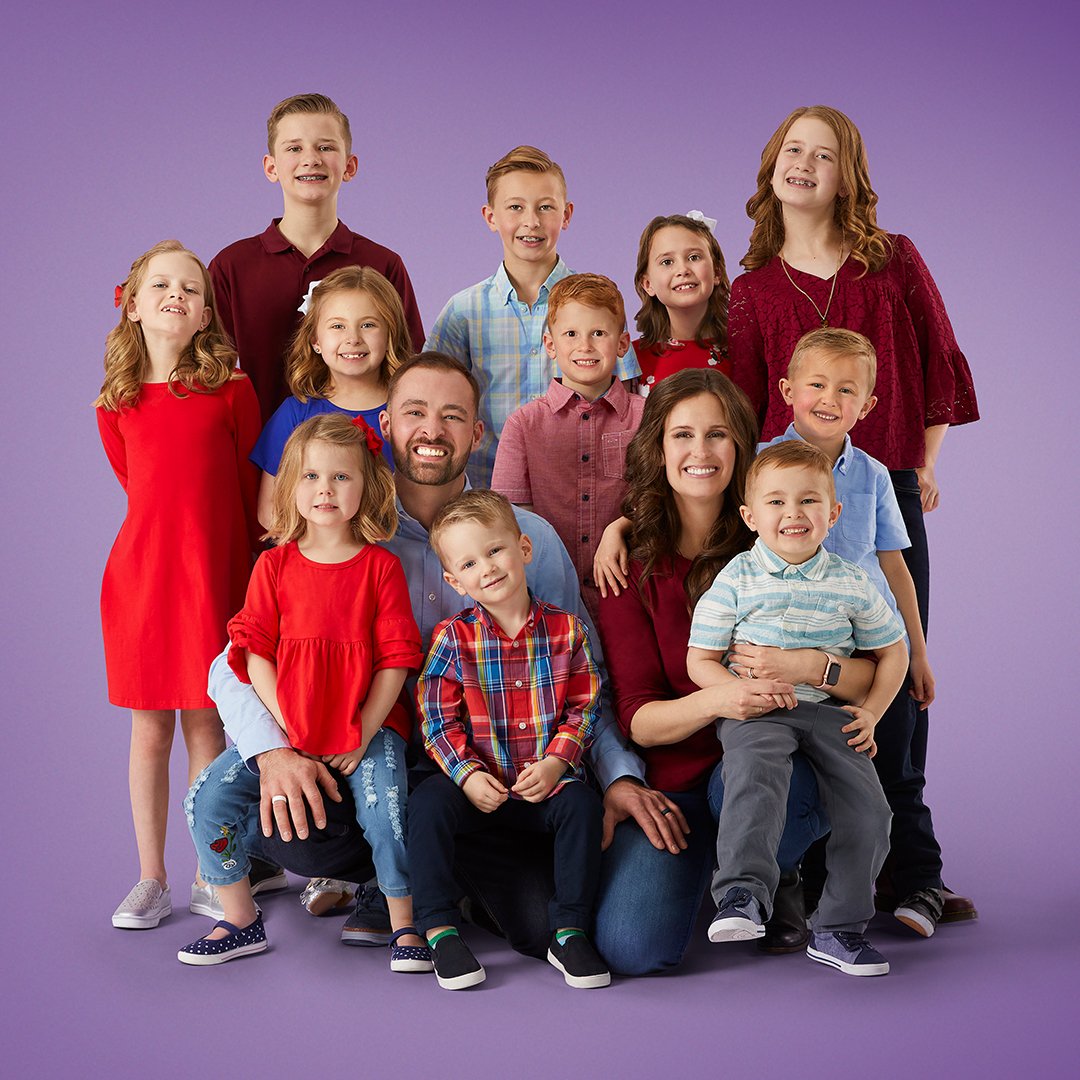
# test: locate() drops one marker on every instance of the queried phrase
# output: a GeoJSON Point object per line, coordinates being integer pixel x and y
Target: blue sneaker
{"type": "Point", "coordinates": [369, 924]}
{"type": "Point", "coordinates": [738, 918]}
{"type": "Point", "coordinates": [848, 952]}
{"type": "Point", "coordinates": [238, 942]}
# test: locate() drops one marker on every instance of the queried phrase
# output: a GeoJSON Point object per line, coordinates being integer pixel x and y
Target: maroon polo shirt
{"type": "Point", "coordinates": [260, 282]}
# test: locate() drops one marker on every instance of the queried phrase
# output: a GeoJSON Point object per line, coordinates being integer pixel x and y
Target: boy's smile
{"type": "Point", "coordinates": [528, 212]}
{"type": "Point", "coordinates": [586, 342]}
{"type": "Point", "coordinates": [792, 511]}
{"type": "Point", "coordinates": [309, 160]}
{"type": "Point", "coordinates": [485, 561]}
{"type": "Point", "coordinates": [828, 395]}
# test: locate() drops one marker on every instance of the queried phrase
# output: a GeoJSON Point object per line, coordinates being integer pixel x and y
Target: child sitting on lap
{"type": "Point", "coordinates": [790, 593]}
{"type": "Point", "coordinates": [508, 698]}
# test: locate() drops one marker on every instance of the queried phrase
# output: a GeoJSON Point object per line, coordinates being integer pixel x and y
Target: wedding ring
{"type": "Point", "coordinates": [666, 810]}
{"type": "Point", "coordinates": [279, 798]}
{"type": "Point", "coordinates": [752, 675]}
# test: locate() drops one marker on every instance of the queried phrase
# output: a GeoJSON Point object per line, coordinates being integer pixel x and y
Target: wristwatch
{"type": "Point", "coordinates": [832, 672]}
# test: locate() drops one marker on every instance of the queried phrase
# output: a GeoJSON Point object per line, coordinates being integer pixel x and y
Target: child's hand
{"type": "Point", "coordinates": [928, 489]}
{"type": "Point", "coordinates": [484, 791]}
{"type": "Point", "coordinates": [923, 686]}
{"type": "Point", "coordinates": [535, 781]}
{"type": "Point", "coordinates": [863, 725]}
{"type": "Point", "coordinates": [611, 561]}
{"type": "Point", "coordinates": [344, 763]}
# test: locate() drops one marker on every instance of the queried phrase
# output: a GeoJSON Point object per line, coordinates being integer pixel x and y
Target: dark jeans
{"type": "Point", "coordinates": [439, 812]}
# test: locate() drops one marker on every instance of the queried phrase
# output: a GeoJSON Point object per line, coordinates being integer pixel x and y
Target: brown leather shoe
{"type": "Point", "coordinates": [956, 908]}
{"type": "Point", "coordinates": [786, 931]}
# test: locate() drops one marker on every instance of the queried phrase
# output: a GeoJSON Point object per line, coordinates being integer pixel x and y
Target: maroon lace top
{"type": "Point", "coordinates": [922, 379]}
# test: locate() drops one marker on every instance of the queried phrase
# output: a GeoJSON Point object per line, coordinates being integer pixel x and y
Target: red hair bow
{"type": "Point", "coordinates": [117, 295]}
{"type": "Point", "coordinates": [374, 443]}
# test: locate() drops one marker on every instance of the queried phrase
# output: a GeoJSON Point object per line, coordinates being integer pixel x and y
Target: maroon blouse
{"type": "Point", "coordinates": [644, 631]}
{"type": "Point", "coordinates": [922, 379]}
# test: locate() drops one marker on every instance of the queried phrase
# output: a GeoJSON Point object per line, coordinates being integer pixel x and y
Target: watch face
{"type": "Point", "coordinates": [832, 675]}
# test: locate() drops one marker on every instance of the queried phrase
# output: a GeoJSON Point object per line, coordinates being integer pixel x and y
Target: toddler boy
{"type": "Point", "coordinates": [496, 326]}
{"type": "Point", "coordinates": [564, 454]}
{"type": "Point", "coordinates": [830, 387]}
{"type": "Point", "coordinates": [789, 593]}
{"type": "Point", "coordinates": [508, 699]}
{"type": "Point", "coordinates": [260, 282]}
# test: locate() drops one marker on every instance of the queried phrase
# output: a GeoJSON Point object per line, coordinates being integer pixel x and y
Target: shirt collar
{"type": "Point", "coordinates": [814, 568]}
{"type": "Point", "coordinates": [275, 242]}
{"type": "Point", "coordinates": [614, 397]}
{"type": "Point", "coordinates": [485, 619]}
{"type": "Point", "coordinates": [504, 288]}
{"type": "Point", "coordinates": [842, 462]}
{"type": "Point", "coordinates": [409, 526]}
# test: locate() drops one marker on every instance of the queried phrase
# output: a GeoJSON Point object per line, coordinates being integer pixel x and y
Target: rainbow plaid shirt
{"type": "Point", "coordinates": [491, 702]}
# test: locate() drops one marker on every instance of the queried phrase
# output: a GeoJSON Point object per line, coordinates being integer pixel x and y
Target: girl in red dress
{"type": "Point", "coordinates": [177, 421]}
{"type": "Point", "coordinates": [326, 636]}
{"type": "Point", "coordinates": [683, 285]}
{"type": "Point", "coordinates": [818, 258]}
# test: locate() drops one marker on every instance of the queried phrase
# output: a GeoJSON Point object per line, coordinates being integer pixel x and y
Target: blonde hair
{"type": "Point", "coordinates": [854, 212]}
{"type": "Point", "coordinates": [205, 365]}
{"type": "Point", "coordinates": [487, 507]}
{"type": "Point", "coordinates": [791, 454]}
{"type": "Point", "coordinates": [376, 518]}
{"type": "Point", "coordinates": [592, 290]}
{"type": "Point", "coordinates": [311, 105]}
{"type": "Point", "coordinates": [521, 159]}
{"type": "Point", "coordinates": [306, 371]}
{"type": "Point", "coordinates": [653, 321]}
{"type": "Point", "coordinates": [836, 342]}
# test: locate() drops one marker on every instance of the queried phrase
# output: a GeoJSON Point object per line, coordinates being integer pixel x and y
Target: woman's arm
{"type": "Point", "coordinates": [805, 666]}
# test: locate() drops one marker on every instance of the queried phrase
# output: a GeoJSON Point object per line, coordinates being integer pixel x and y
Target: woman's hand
{"type": "Point", "coordinates": [611, 563]}
{"type": "Point", "coordinates": [767, 662]}
{"type": "Point", "coordinates": [747, 699]}
{"type": "Point", "coordinates": [929, 492]}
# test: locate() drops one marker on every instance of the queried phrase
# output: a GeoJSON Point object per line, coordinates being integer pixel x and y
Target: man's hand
{"type": "Point", "coordinates": [288, 784]}
{"type": "Point", "coordinates": [660, 819]}
{"type": "Point", "coordinates": [536, 781]}
{"type": "Point", "coordinates": [863, 725]}
{"type": "Point", "coordinates": [484, 791]}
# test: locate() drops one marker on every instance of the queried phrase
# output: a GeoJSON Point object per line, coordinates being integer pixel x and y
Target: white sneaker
{"type": "Point", "coordinates": [144, 907]}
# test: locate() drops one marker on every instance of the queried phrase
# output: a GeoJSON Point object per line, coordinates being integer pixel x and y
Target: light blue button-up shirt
{"type": "Point", "coordinates": [501, 340]}
{"type": "Point", "coordinates": [551, 577]}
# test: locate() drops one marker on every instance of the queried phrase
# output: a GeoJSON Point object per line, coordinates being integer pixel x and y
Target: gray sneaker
{"type": "Point", "coordinates": [738, 918]}
{"type": "Point", "coordinates": [848, 952]}
{"type": "Point", "coordinates": [144, 907]}
{"type": "Point", "coordinates": [369, 924]}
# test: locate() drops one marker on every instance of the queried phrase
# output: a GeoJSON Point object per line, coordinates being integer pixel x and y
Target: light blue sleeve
{"type": "Point", "coordinates": [628, 366]}
{"type": "Point", "coordinates": [715, 615]}
{"type": "Point", "coordinates": [450, 334]}
{"type": "Point", "coordinates": [873, 625]}
{"type": "Point", "coordinates": [244, 716]}
{"type": "Point", "coordinates": [552, 577]}
{"type": "Point", "coordinates": [891, 533]}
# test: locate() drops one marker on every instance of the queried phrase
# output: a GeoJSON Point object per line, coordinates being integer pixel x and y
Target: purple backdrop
{"type": "Point", "coordinates": [141, 122]}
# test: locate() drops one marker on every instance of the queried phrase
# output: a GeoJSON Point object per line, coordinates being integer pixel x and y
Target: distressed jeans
{"type": "Point", "coordinates": [222, 810]}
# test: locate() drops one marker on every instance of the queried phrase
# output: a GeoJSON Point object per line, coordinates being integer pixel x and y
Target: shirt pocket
{"type": "Point", "coordinates": [613, 446]}
{"type": "Point", "coordinates": [858, 521]}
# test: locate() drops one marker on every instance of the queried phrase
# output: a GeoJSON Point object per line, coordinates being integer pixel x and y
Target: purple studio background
{"type": "Point", "coordinates": [136, 122]}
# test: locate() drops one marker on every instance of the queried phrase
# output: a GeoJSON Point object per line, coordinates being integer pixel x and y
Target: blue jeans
{"type": "Point", "coordinates": [649, 899]}
{"type": "Point", "coordinates": [222, 810]}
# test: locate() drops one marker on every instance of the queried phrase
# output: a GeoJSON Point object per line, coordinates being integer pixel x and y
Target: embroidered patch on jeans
{"type": "Point", "coordinates": [225, 846]}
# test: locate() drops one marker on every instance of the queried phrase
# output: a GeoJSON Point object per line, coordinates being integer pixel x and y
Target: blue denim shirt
{"type": "Point", "coordinates": [551, 577]}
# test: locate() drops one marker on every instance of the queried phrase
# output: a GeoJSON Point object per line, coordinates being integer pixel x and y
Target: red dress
{"type": "Point", "coordinates": [666, 357]}
{"type": "Point", "coordinates": [328, 627]}
{"type": "Point", "coordinates": [182, 558]}
{"type": "Point", "coordinates": [922, 376]}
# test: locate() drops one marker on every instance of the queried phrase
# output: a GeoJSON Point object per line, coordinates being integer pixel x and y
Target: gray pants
{"type": "Point", "coordinates": [756, 773]}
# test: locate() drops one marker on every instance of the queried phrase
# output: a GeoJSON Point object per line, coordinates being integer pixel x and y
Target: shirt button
{"type": "Point", "coordinates": [517, 683]}
{"type": "Point", "coordinates": [584, 457]}
{"type": "Point", "coordinates": [585, 497]}
{"type": "Point", "coordinates": [535, 351]}
{"type": "Point", "coordinates": [523, 725]}
{"type": "Point", "coordinates": [585, 415]}
{"type": "Point", "coordinates": [431, 597]}
{"type": "Point", "coordinates": [516, 644]}
{"type": "Point", "coordinates": [584, 539]}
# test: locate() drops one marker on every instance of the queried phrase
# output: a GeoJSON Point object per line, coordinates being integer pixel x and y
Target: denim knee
{"type": "Point", "coordinates": [222, 808]}
{"type": "Point", "coordinates": [380, 791]}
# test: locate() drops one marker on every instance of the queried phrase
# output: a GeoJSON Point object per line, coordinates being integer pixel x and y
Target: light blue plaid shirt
{"type": "Point", "coordinates": [824, 603]}
{"type": "Point", "coordinates": [501, 340]}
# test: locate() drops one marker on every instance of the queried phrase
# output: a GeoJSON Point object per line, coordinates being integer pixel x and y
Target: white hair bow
{"type": "Point", "coordinates": [306, 302]}
{"type": "Point", "coordinates": [697, 215]}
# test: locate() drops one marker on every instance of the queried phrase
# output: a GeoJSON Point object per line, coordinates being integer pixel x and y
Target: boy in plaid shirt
{"type": "Point", "coordinates": [508, 699]}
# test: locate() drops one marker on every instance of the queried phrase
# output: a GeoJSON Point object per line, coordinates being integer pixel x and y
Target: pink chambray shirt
{"type": "Point", "coordinates": [565, 457]}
